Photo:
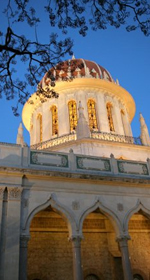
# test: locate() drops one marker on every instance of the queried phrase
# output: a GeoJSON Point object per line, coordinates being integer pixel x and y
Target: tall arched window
{"type": "Point", "coordinates": [40, 127]}
{"type": "Point", "coordinates": [72, 115]}
{"type": "Point", "coordinates": [54, 120]}
{"type": "Point", "coordinates": [91, 277]}
{"type": "Point", "coordinates": [92, 114]}
{"type": "Point", "coordinates": [109, 115]}
{"type": "Point", "coordinates": [137, 277]}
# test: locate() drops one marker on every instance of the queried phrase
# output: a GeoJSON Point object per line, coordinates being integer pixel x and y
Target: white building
{"type": "Point", "coordinates": [84, 181]}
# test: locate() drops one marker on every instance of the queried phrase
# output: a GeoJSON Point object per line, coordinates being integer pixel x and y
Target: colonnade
{"type": "Point", "coordinates": [120, 116]}
{"type": "Point", "coordinates": [14, 244]}
{"type": "Point", "coordinates": [77, 260]}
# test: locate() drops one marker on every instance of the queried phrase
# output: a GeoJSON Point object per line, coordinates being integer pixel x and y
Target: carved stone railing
{"type": "Point", "coordinates": [116, 138]}
{"type": "Point", "coordinates": [95, 135]}
{"type": "Point", "coordinates": [69, 162]}
{"type": "Point", "coordinates": [54, 142]}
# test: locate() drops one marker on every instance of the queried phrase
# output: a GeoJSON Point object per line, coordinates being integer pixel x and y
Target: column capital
{"type": "Point", "coordinates": [76, 239]}
{"type": "Point", "coordinates": [123, 239]}
{"type": "Point", "coordinates": [14, 193]}
{"type": "Point", "coordinates": [24, 241]}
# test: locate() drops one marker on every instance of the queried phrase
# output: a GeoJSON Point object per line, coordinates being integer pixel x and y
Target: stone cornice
{"type": "Point", "coordinates": [46, 175]}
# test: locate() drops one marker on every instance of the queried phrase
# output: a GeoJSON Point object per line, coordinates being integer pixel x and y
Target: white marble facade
{"type": "Point", "coordinates": [74, 173]}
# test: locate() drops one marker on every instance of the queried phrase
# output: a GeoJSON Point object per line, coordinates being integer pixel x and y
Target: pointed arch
{"type": "Point", "coordinates": [136, 208]}
{"type": "Point", "coordinates": [72, 108]}
{"type": "Point", "coordinates": [107, 212]}
{"type": "Point", "coordinates": [54, 112]}
{"type": "Point", "coordinates": [91, 104]}
{"type": "Point", "coordinates": [109, 116]}
{"type": "Point", "coordinates": [58, 207]}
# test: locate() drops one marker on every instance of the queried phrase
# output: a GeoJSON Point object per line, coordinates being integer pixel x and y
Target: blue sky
{"type": "Point", "coordinates": [125, 55]}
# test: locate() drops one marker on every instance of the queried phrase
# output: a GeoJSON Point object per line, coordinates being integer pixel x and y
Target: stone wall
{"type": "Point", "coordinates": [50, 252]}
{"type": "Point", "coordinates": [50, 256]}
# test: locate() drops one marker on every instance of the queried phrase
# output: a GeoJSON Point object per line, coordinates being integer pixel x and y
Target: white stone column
{"type": "Point", "coordinates": [11, 265]}
{"type": "Point", "coordinates": [3, 213]}
{"type": "Point", "coordinates": [102, 113]}
{"type": "Point", "coordinates": [77, 263]}
{"type": "Point", "coordinates": [47, 121]}
{"type": "Point", "coordinates": [127, 125]}
{"type": "Point", "coordinates": [118, 124]}
{"type": "Point", "coordinates": [63, 116]}
{"type": "Point", "coordinates": [82, 96]}
{"type": "Point", "coordinates": [23, 257]}
{"type": "Point", "coordinates": [33, 141]}
{"type": "Point", "coordinates": [123, 244]}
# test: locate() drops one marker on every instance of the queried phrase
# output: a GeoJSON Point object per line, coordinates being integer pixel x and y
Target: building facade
{"type": "Point", "coordinates": [75, 205]}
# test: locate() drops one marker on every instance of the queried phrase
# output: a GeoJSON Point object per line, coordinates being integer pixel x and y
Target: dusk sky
{"type": "Point", "coordinates": [125, 55]}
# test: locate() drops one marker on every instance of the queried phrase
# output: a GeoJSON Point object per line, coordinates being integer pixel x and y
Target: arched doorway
{"type": "Point", "coordinates": [101, 257]}
{"type": "Point", "coordinates": [137, 277]}
{"type": "Point", "coordinates": [139, 246]}
{"type": "Point", "coordinates": [49, 251]}
{"type": "Point", "coordinates": [92, 277]}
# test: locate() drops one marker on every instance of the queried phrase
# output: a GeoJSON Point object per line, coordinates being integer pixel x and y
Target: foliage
{"type": "Point", "coordinates": [39, 57]}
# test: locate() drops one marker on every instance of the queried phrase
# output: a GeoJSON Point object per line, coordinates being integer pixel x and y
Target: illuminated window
{"type": "Point", "coordinates": [72, 115]}
{"type": "Point", "coordinates": [137, 277]}
{"type": "Point", "coordinates": [92, 277]}
{"type": "Point", "coordinates": [92, 114]}
{"type": "Point", "coordinates": [109, 115]}
{"type": "Point", "coordinates": [54, 120]}
{"type": "Point", "coordinates": [40, 127]}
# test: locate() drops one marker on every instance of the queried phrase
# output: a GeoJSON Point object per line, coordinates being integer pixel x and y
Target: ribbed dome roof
{"type": "Point", "coordinates": [76, 68]}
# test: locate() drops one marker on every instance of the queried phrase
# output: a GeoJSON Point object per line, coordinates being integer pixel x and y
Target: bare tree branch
{"type": "Point", "coordinates": [38, 58]}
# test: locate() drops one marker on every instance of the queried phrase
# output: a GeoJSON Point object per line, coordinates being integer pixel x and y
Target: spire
{"type": "Point", "coordinates": [144, 132]}
{"type": "Point", "coordinates": [82, 129]}
{"type": "Point", "coordinates": [73, 57]}
{"type": "Point", "coordinates": [117, 82]}
{"type": "Point", "coordinates": [20, 139]}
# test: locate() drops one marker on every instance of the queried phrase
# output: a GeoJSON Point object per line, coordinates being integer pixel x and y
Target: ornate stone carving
{"type": "Point", "coordinates": [2, 193]}
{"type": "Point", "coordinates": [123, 239]}
{"type": "Point", "coordinates": [75, 205]}
{"type": "Point", "coordinates": [120, 207]}
{"type": "Point", "coordinates": [14, 193]}
{"type": "Point", "coordinates": [24, 241]}
{"type": "Point", "coordinates": [76, 240]}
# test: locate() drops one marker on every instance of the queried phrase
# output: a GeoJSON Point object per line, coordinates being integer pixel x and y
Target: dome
{"type": "Point", "coordinates": [76, 68]}
{"type": "Point", "coordinates": [90, 82]}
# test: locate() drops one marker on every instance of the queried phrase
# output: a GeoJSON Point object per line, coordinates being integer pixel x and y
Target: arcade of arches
{"type": "Point", "coordinates": [50, 254]}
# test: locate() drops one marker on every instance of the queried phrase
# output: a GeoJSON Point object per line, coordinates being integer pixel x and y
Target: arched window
{"type": "Point", "coordinates": [72, 115]}
{"type": "Point", "coordinates": [54, 120]}
{"type": "Point", "coordinates": [91, 277]}
{"type": "Point", "coordinates": [40, 127]}
{"type": "Point", "coordinates": [92, 114]}
{"type": "Point", "coordinates": [137, 277]}
{"type": "Point", "coordinates": [109, 115]}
